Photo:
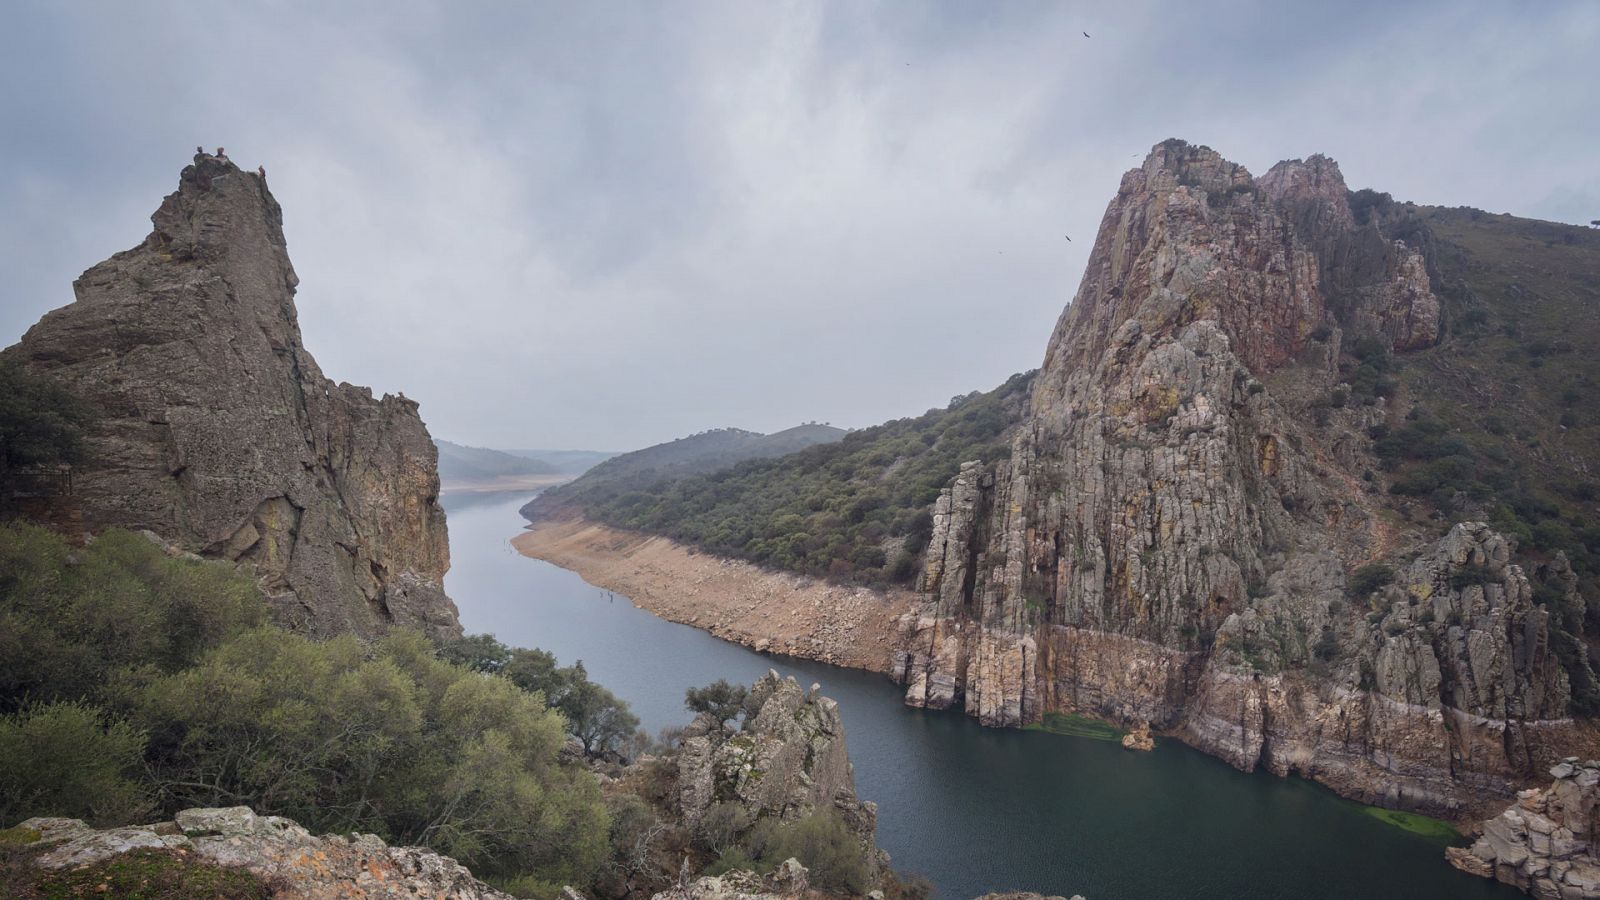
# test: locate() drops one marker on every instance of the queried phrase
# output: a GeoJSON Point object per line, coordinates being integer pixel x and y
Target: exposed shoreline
{"type": "Point", "coordinates": [769, 611]}
{"type": "Point", "coordinates": [505, 485]}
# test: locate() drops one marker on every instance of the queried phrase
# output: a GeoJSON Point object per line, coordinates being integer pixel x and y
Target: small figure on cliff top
{"type": "Point", "coordinates": [199, 151]}
{"type": "Point", "coordinates": [262, 171]}
{"type": "Point", "coordinates": [220, 154]}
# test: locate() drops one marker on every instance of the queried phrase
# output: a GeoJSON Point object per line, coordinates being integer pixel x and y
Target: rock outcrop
{"type": "Point", "coordinates": [288, 859]}
{"type": "Point", "coordinates": [1545, 843]}
{"type": "Point", "coordinates": [218, 431]}
{"type": "Point", "coordinates": [1172, 538]}
{"type": "Point", "coordinates": [787, 762]}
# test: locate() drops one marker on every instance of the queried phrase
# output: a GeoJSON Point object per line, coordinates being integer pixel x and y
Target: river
{"type": "Point", "coordinates": [975, 809]}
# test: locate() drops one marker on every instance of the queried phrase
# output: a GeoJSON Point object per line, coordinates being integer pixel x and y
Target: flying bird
{"type": "Point", "coordinates": [1086, 34]}
{"type": "Point", "coordinates": [1068, 237]}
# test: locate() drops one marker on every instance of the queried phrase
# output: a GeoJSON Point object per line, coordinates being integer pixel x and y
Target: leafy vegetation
{"type": "Point", "coordinates": [821, 842]}
{"type": "Point", "coordinates": [1497, 426]}
{"type": "Point", "coordinates": [856, 510]}
{"type": "Point", "coordinates": [134, 683]}
{"type": "Point", "coordinates": [41, 424]}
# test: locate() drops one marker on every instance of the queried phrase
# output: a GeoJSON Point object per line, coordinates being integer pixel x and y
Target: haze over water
{"type": "Point", "coordinates": [975, 809]}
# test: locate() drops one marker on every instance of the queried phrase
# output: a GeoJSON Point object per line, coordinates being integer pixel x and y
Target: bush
{"type": "Point", "coordinates": [722, 825]}
{"type": "Point", "coordinates": [387, 739]}
{"type": "Point", "coordinates": [69, 759]}
{"type": "Point", "coordinates": [824, 845]}
{"type": "Point", "coordinates": [70, 618]}
{"type": "Point", "coordinates": [41, 423]}
{"type": "Point", "coordinates": [1366, 579]}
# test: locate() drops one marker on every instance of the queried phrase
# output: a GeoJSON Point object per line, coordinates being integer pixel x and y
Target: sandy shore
{"type": "Point", "coordinates": [503, 485]}
{"type": "Point", "coordinates": [733, 600]}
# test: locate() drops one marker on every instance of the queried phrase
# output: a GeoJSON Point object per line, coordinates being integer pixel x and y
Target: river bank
{"type": "Point", "coordinates": [736, 601]}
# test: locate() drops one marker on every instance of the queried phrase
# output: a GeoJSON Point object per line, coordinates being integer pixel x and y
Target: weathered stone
{"type": "Point", "coordinates": [1170, 540]}
{"type": "Point", "coordinates": [787, 762]}
{"type": "Point", "coordinates": [218, 432]}
{"type": "Point", "coordinates": [1540, 843]}
{"type": "Point", "coordinates": [280, 852]}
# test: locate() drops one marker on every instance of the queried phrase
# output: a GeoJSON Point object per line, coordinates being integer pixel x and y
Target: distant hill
{"type": "Point", "coordinates": [460, 465]}
{"type": "Point", "coordinates": [567, 462]}
{"type": "Point", "coordinates": [855, 508]}
{"type": "Point", "coordinates": [708, 451]}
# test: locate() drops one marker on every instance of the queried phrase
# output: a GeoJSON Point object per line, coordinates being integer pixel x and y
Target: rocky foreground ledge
{"type": "Point", "coordinates": [287, 859]}
{"type": "Point", "coordinates": [1546, 842]}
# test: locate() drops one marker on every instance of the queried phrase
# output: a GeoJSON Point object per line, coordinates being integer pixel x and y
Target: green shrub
{"type": "Point", "coordinates": [824, 845]}
{"type": "Point", "coordinates": [70, 618]}
{"type": "Point", "coordinates": [41, 423]}
{"type": "Point", "coordinates": [387, 739]}
{"type": "Point", "coordinates": [70, 759]}
{"type": "Point", "coordinates": [1368, 578]}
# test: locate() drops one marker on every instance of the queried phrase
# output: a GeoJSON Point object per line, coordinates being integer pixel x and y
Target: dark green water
{"type": "Point", "coordinates": [971, 808]}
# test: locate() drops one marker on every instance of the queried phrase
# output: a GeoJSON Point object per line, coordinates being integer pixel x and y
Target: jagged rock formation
{"type": "Point", "coordinates": [1545, 843]}
{"type": "Point", "coordinates": [219, 432]}
{"type": "Point", "coordinates": [1171, 539]}
{"type": "Point", "coordinates": [789, 880]}
{"type": "Point", "coordinates": [289, 860]}
{"type": "Point", "coordinates": [788, 761]}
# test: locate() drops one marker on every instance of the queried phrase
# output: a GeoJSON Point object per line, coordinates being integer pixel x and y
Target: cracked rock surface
{"type": "Point", "coordinates": [218, 432]}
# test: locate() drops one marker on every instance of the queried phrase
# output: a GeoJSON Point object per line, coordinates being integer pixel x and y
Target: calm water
{"type": "Point", "coordinates": [975, 809]}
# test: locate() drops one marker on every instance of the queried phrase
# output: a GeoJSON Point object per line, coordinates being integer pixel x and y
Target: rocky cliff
{"type": "Point", "coordinates": [1545, 843]}
{"type": "Point", "coordinates": [218, 431]}
{"type": "Point", "coordinates": [1174, 537]}
{"type": "Point", "coordinates": [787, 762]}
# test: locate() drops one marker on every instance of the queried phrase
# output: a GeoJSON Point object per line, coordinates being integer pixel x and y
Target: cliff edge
{"type": "Point", "coordinates": [217, 430]}
{"type": "Point", "coordinates": [1177, 535]}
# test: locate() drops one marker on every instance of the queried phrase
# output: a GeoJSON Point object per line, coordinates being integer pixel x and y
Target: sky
{"type": "Point", "coordinates": [603, 225]}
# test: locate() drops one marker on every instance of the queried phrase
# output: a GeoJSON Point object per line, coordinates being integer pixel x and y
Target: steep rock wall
{"type": "Point", "coordinates": [1171, 538]}
{"type": "Point", "coordinates": [218, 431]}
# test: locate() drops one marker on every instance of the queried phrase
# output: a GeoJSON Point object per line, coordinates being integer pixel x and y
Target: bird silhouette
{"type": "Point", "coordinates": [1086, 34]}
{"type": "Point", "coordinates": [1068, 237]}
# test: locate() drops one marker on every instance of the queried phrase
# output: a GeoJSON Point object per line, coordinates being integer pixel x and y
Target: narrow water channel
{"type": "Point", "coordinates": [970, 808]}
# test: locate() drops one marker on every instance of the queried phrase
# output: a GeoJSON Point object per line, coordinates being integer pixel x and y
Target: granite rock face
{"type": "Point", "coordinates": [1545, 843]}
{"type": "Point", "coordinates": [788, 761]}
{"type": "Point", "coordinates": [219, 432]}
{"type": "Point", "coordinates": [1171, 539]}
{"type": "Point", "coordinates": [284, 855]}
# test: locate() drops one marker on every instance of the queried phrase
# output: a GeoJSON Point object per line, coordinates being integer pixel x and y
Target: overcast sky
{"type": "Point", "coordinates": [604, 225]}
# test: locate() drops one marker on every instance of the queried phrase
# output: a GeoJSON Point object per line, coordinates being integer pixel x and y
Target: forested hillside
{"type": "Point", "coordinates": [855, 510]}
{"type": "Point", "coordinates": [707, 451]}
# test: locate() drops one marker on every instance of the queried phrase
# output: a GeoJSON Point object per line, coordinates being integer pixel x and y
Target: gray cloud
{"type": "Point", "coordinates": [610, 224]}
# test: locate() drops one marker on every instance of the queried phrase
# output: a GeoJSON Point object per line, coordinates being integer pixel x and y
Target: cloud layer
{"type": "Point", "coordinates": [605, 225]}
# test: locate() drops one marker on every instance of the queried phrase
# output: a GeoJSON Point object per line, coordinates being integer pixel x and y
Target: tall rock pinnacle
{"type": "Point", "coordinates": [219, 432]}
{"type": "Point", "coordinates": [1171, 538]}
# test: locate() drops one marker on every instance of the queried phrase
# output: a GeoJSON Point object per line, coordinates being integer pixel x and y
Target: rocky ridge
{"type": "Point", "coordinates": [788, 761]}
{"type": "Point", "coordinates": [289, 860]}
{"type": "Point", "coordinates": [217, 430]}
{"type": "Point", "coordinates": [1173, 537]}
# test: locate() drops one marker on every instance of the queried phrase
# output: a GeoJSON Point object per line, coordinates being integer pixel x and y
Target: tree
{"type": "Point", "coordinates": [41, 423]}
{"type": "Point", "coordinates": [722, 699]}
{"type": "Point", "coordinates": [595, 716]}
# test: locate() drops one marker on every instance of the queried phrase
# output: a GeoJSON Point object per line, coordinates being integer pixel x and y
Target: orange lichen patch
{"type": "Point", "coordinates": [1267, 453]}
